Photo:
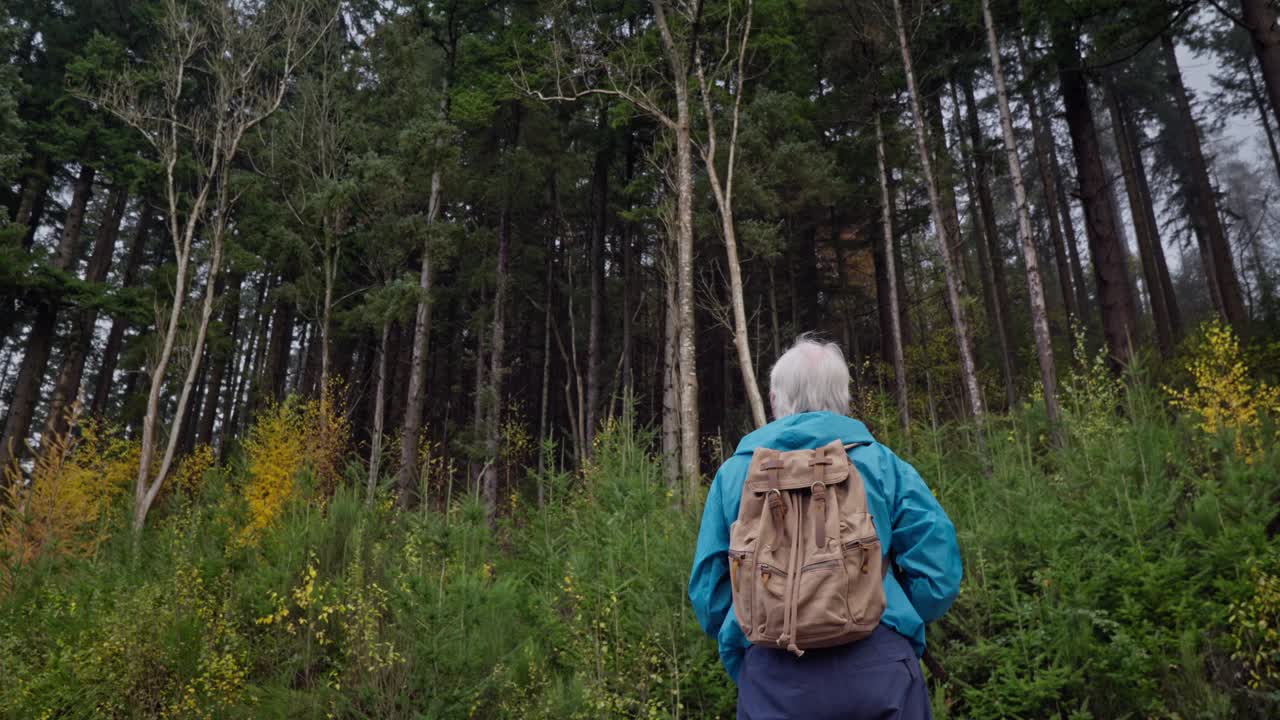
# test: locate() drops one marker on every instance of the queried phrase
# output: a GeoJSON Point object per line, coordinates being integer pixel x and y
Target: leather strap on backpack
{"type": "Point", "coordinates": [819, 491]}
{"type": "Point", "coordinates": [773, 496]}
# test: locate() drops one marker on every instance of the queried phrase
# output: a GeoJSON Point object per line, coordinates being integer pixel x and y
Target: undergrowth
{"type": "Point", "coordinates": [1128, 573]}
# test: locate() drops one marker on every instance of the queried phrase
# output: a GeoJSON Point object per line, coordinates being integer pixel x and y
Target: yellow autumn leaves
{"type": "Point", "coordinates": [289, 438]}
{"type": "Point", "coordinates": [1224, 398]}
{"type": "Point", "coordinates": [63, 510]}
{"type": "Point", "coordinates": [64, 507]}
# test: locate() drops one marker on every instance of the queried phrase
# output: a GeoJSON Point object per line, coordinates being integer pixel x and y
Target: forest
{"type": "Point", "coordinates": [371, 358]}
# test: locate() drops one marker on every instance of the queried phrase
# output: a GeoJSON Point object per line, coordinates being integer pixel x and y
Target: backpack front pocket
{"type": "Point", "coordinates": [864, 566]}
{"type": "Point", "coordinates": [742, 570]}
{"type": "Point", "coordinates": [821, 610]}
{"type": "Point", "coordinates": [770, 602]}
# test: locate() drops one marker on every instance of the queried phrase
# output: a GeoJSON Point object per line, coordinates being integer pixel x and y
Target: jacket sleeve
{"type": "Point", "coordinates": [709, 590]}
{"type": "Point", "coordinates": [924, 544]}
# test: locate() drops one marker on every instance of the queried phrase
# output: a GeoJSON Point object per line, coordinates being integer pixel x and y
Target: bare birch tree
{"type": "Point", "coordinates": [242, 60]}
{"type": "Point", "coordinates": [895, 319]}
{"type": "Point", "coordinates": [959, 321]}
{"type": "Point", "coordinates": [723, 193]}
{"type": "Point", "coordinates": [1035, 289]}
{"type": "Point", "coordinates": [585, 61]}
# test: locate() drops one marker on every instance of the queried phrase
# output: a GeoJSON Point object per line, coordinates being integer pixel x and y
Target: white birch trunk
{"type": "Point", "coordinates": [1035, 289]}
{"type": "Point", "coordinates": [895, 320]}
{"type": "Point", "coordinates": [723, 193]}
{"type": "Point", "coordinates": [964, 342]}
{"type": "Point", "coordinates": [689, 452]}
{"type": "Point", "coordinates": [379, 411]}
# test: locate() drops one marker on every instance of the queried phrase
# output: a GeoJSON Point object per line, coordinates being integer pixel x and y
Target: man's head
{"type": "Point", "coordinates": [810, 376]}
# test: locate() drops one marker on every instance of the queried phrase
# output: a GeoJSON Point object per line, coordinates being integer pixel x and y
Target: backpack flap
{"type": "Point", "coordinates": [794, 470]}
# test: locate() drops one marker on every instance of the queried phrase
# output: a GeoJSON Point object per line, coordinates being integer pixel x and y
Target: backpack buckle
{"type": "Point", "coordinates": [819, 490]}
{"type": "Point", "coordinates": [777, 508]}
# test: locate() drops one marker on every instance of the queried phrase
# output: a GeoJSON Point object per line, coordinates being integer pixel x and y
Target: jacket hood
{"type": "Point", "coordinates": [805, 431]}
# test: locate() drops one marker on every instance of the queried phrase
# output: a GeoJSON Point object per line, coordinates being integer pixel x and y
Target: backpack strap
{"type": "Point", "coordinates": [852, 445]}
{"type": "Point", "coordinates": [773, 495]}
{"type": "Point", "coordinates": [819, 491]}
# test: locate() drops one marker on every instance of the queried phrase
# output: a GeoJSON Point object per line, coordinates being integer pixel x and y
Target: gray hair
{"type": "Point", "coordinates": [810, 376]}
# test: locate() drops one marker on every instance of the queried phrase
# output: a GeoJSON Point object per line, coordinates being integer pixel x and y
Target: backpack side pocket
{"type": "Point", "coordinates": [742, 571]}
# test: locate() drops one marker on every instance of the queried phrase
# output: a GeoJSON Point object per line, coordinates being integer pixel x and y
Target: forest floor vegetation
{"type": "Point", "coordinates": [1132, 572]}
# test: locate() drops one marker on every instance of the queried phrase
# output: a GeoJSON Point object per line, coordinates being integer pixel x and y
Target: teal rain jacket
{"type": "Point", "coordinates": [914, 530]}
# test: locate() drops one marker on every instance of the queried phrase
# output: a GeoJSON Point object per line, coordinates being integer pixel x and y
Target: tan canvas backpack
{"type": "Point", "coordinates": [804, 556]}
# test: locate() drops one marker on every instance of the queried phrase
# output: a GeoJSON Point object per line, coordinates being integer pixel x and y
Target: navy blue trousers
{"type": "Point", "coordinates": [877, 678]}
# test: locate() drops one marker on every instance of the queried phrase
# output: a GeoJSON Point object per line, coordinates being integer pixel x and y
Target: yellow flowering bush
{"type": "Point", "coordinates": [1223, 396]}
{"type": "Point", "coordinates": [435, 468]}
{"type": "Point", "coordinates": [222, 668]}
{"type": "Point", "coordinates": [188, 477]}
{"type": "Point", "coordinates": [64, 508]}
{"type": "Point", "coordinates": [328, 433]}
{"type": "Point", "coordinates": [1255, 629]}
{"type": "Point", "coordinates": [517, 442]}
{"type": "Point", "coordinates": [277, 452]}
{"type": "Point", "coordinates": [341, 625]}
{"type": "Point", "coordinates": [287, 439]}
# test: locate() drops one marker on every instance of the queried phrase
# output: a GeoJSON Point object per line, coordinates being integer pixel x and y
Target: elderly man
{"type": "Point", "coordinates": [875, 677]}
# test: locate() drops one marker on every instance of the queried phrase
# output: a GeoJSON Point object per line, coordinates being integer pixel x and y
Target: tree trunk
{"type": "Point", "coordinates": [595, 271]}
{"type": "Point", "coordinates": [1148, 235]}
{"type": "Point", "coordinates": [1260, 17]}
{"type": "Point", "coordinates": [1256, 93]}
{"type": "Point", "coordinates": [1050, 192]}
{"type": "Point", "coordinates": [407, 477]}
{"type": "Point", "coordinates": [1035, 290]}
{"type": "Point", "coordinates": [968, 371]}
{"type": "Point", "coordinates": [722, 191]}
{"type": "Point", "coordinates": [679, 65]}
{"type": "Point", "coordinates": [1266, 285]}
{"type": "Point", "coordinates": [35, 196]}
{"type": "Point", "coordinates": [497, 370]}
{"type": "Point", "coordinates": [945, 177]}
{"type": "Point", "coordinates": [1109, 256]}
{"type": "Point", "coordinates": [891, 283]}
{"type": "Point", "coordinates": [26, 390]}
{"type": "Point", "coordinates": [66, 389]}
{"type": "Point", "coordinates": [922, 321]}
{"type": "Point", "coordinates": [275, 379]}
{"type": "Point", "coordinates": [1157, 248]}
{"type": "Point", "coordinates": [220, 358]}
{"type": "Point", "coordinates": [187, 440]}
{"type": "Point", "coordinates": [671, 383]}
{"type": "Point", "coordinates": [987, 239]}
{"type": "Point", "coordinates": [115, 338]}
{"type": "Point", "coordinates": [330, 268]}
{"type": "Point", "coordinates": [544, 402]}
{"type": "Point", "coordinates": [628, 277]}
{"type": "Point", "coordinates": [379, 413]}
{"type": "Point", "coordinates": [297, 383]}
{"type": "Point", "coordinates": [1069, 230]}
{"type": "Point", "coordinates": [775, 326]}
{"type": "Point", "coordinates": [689, 451]}
{"type": "Point", "coordinates": [239, 403]}
{"type": "Point", "coordinates": [146, 489]}
{"type": "Point", "coordinates": [1204, 205]}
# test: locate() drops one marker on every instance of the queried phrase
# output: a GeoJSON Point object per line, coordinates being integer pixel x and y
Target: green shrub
{"type": "Point", "coordinates": [1128, 573]}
